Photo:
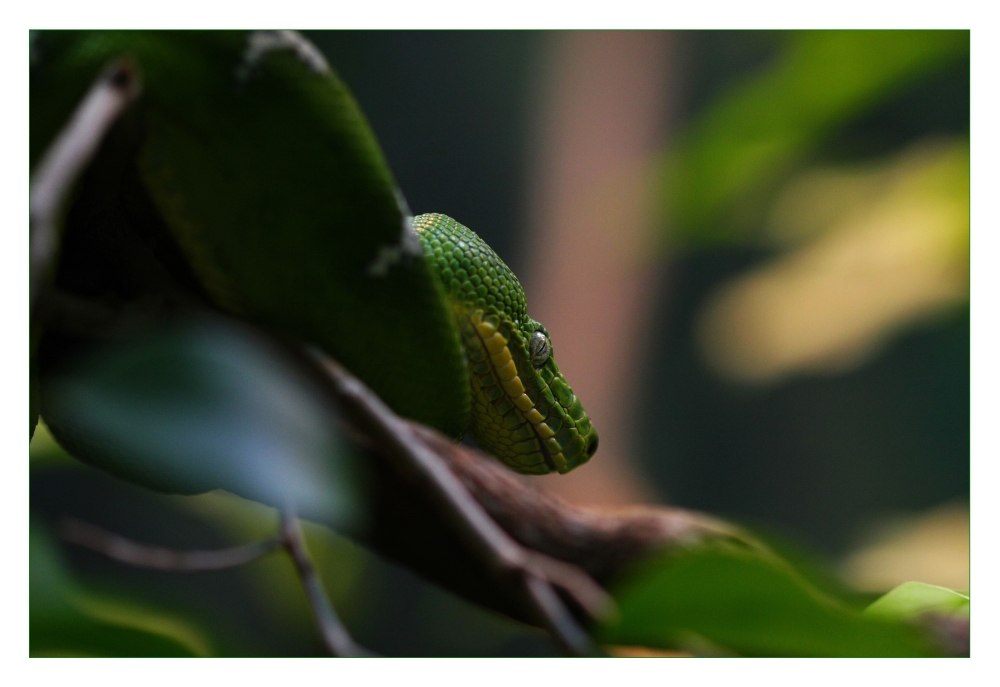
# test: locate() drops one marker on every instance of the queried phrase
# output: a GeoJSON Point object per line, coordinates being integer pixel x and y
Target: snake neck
{"type": "Point", "coordinates": [523, 410]}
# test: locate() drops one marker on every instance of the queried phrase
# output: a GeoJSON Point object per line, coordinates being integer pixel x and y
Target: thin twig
{"type": "Point", "coordinates": [591, 596]}
{"type": "Point", "coordinates": [160, 558]}
{"type": "Point", "coordinates": [558, 620]}
{"type": "Point", "coordinates": [507, 558]}
{"type": "Point", "coordinates": [335, 636]}
{"type": "Point", "coordinates": [67, 157]}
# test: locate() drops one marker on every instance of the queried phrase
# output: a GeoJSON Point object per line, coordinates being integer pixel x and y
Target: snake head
{"type": "Point", "coordinates": [574, 435]}
{"type": "Point", "coordinates": [523, 411]}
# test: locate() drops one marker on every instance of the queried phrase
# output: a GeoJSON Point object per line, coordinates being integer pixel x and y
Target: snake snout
{"type": "Point", "coordinates": [592, 446]}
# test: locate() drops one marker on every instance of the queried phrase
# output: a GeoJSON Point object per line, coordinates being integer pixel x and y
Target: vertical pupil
{"type": "Point", "coordinates": [539, 349]}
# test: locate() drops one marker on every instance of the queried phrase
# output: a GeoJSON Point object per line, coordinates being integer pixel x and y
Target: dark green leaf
{"type": "Point", "coordinates": [207, 406]}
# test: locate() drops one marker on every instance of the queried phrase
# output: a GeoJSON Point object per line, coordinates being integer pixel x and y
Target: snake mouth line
{"type": "Point", "coordinates": [546, 455]}
{"type": "Point", "coordinates": [504, 370]}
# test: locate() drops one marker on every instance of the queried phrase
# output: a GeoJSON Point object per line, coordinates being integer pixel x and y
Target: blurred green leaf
{"type": "Point", "coordinates": [32, 406]}
{"type": "Point", "coordinates": [815, 567]}
{"type": "Point", "coordinates": [67, 621]}
{"type": "Point", "coordinates": [207, 406]}
{"type": "Point", "coordinates": [912, 599]}
{"type": "Point", "coordinates": [757, 130]}
{"type": "Point", "coordinates": [45, 451]}
{"type": "Point", "coordinates": [746, 603]}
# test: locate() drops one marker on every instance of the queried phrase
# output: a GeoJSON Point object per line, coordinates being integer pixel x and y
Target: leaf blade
{"type": "Point", "coordinates": [208, 405]}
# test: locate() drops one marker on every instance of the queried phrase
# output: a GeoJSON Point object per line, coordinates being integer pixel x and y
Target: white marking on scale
{"type": "Point", "coordinates": [389, 255]}
{"type": "Point", "coordinates": [259, 43]}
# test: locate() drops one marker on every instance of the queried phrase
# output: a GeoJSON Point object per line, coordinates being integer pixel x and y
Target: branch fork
{"type": "Point", "coordinates": [336, 638]}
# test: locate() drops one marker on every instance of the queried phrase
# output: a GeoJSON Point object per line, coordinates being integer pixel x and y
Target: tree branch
{"type": "Point", "coordinates": [602, 541]}
{"type": "Point", "coordinates": [139, 555]}
{"type": "Point", "coordinates": [67, 157]}
{"type": "Point", "coordinates": [428, 515]}
{"type": "Point", "coordinates": [335, 636]}
{"type": "Point", "coordinates": [505, 558]}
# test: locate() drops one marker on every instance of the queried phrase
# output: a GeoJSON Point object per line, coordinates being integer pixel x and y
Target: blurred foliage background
{"type": "Point", "coordinates": [751, 249]}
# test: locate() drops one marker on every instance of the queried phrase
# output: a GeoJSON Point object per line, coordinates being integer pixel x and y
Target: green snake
{"type": "Point", "coordinates": [259, 169]}
{"type": "Point", "coordinates": [523, 411]}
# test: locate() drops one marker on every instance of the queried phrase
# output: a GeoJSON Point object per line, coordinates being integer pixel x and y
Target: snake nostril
{"type": "Point", "coordinates": [592, 448]}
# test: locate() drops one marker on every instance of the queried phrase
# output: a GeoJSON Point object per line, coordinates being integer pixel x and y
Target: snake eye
{"type": "Point", "coordinates": [539, 348]}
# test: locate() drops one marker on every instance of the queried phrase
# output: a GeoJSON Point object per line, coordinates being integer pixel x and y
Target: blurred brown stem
{"type": "Point", "coordinates": [507, 560]}
{"type": "Point", "coordinates": [601, 541]}
{"type": "Point", "coordinates": [139, 555]}
{"type": "Point", "coordinates": [67, 157]}
{"type": "Point", "coordinates": [335, 636]}
{"type": "Point", "coordinates": [458, 517]}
